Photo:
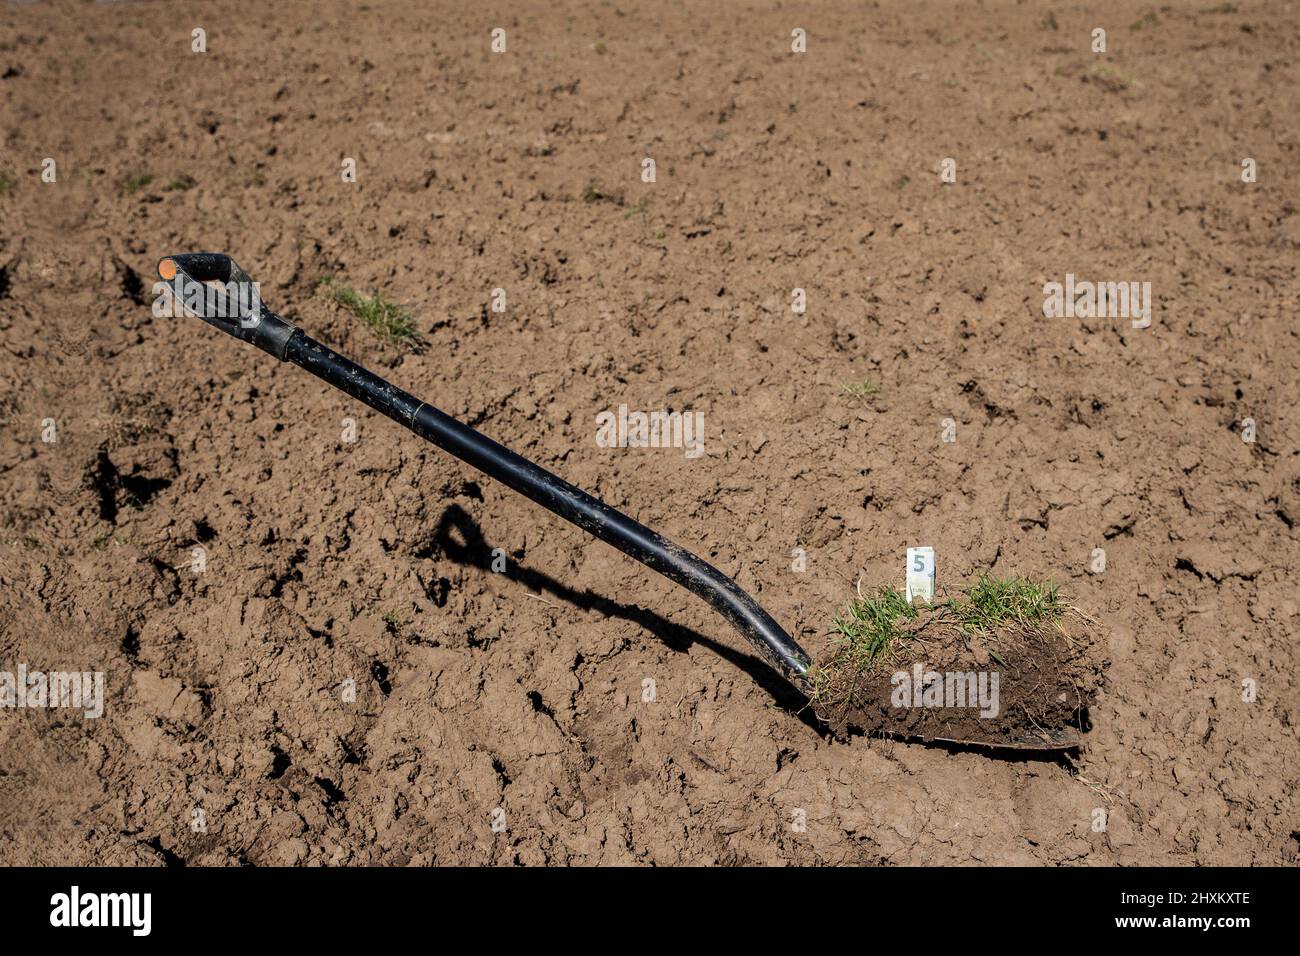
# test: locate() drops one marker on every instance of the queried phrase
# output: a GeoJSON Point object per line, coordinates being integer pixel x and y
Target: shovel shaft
{"type": "Point", "coordinates": [529, 479]}
{"type": "Point", "coordinates": [558, 496]}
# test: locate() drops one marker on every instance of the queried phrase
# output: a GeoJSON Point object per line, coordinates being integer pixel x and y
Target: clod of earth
{"type": "Point", "coordinates": [1004, 663]}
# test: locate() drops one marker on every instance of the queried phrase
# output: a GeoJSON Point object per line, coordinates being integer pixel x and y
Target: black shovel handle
{"type": "Point", "coordinates": [274, 335]}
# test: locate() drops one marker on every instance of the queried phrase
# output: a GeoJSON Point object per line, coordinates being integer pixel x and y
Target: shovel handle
{"type": "Point", "coordinates": [516, 472]}
{"type": "Point", "coordinates": [211, 286]}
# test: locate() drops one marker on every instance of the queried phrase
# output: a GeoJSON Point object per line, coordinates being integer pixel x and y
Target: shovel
{"type": "Point", "coordinates": [214, 288]}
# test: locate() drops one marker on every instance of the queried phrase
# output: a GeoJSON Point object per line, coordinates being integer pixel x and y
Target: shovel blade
{"type": "Point", "coordinates": [1067, 738]}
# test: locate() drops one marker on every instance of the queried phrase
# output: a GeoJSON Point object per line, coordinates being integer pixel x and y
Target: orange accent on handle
{"type": "Point", "coordinates": [167, 269]}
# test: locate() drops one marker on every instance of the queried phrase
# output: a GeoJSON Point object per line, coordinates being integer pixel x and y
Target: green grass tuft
{"type": "Point", "coordinates": [859, 391]}
{"type": "Point", "coordinates": [993, 602]}
{"type": "Point", "coordinates": [136, 182]}
{"type": "Point", "coordinates": [867, 627]}
{"type": "Point", "coordinates": [392, 322]}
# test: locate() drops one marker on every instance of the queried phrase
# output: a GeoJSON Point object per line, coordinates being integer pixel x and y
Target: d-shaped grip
{"type": "Point", "coordinates": [211, 286]}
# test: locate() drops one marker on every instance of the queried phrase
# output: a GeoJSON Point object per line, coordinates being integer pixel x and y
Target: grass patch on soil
{"type": "Point", "coordinates": [868, 627]}
{"type": "Point", "coordinates": [859, 391]}
{"type": "Point", "coordinates": [995, 602]}
{"type": "Point", "coordinates": [135, 182]}
{"type": "Point", "coordinates": [390, 321]}
{"type": "Point", "coordinates": [869, 631]}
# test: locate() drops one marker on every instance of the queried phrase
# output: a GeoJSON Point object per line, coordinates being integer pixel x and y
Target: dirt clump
{"type": "Point", "coordinates": [1020, 684]}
